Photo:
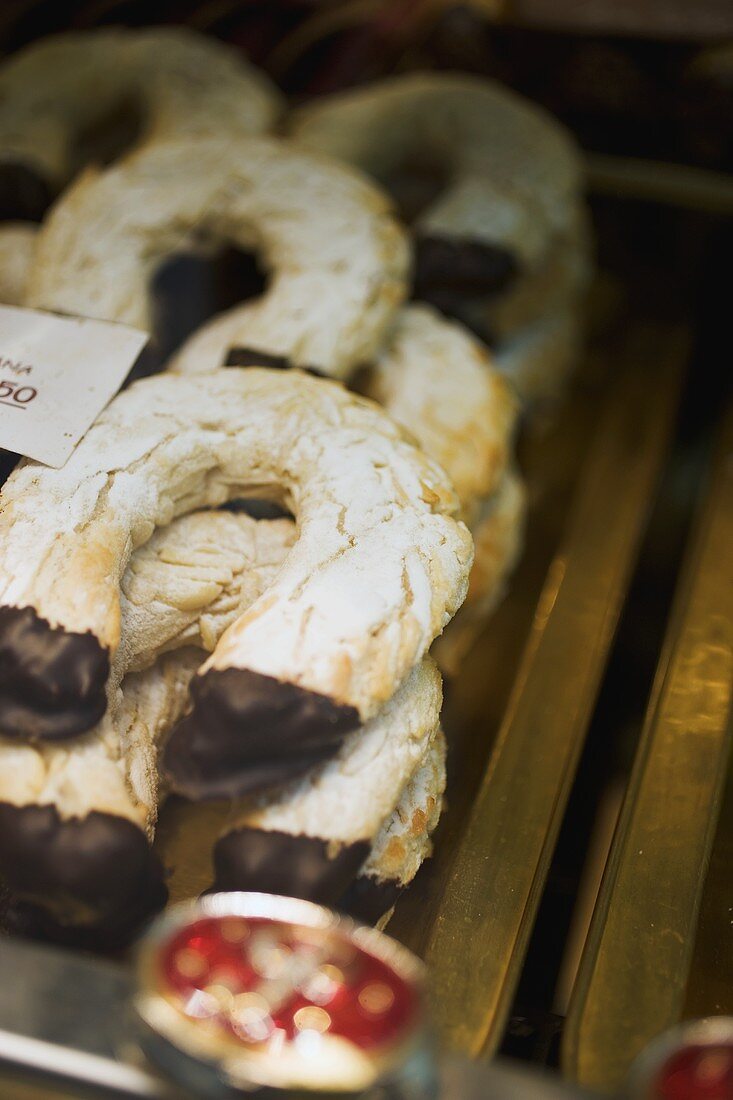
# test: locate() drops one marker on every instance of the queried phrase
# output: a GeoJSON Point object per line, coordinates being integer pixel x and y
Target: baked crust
{"type": "Point", "coordinates": [336, 257]}
{"type": "Point", "coordinates": [498, 533]}
{"type": "Point", "coordinates": [203, 564]}
{"type": "Point", "coordinates": [378, 569]}
{"type": "Point", "coordinates": [510, 181]}
{"type": "Point", "coordinates": [441, 383]}
{"type": "Point", "coordinates": [180, 84]}
{"type": "Point", "coordinates": [511, 171]}
{"type": "Point", "coordinates": [403, 843]}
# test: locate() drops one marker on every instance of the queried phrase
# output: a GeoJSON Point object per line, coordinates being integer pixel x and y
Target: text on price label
{"type": "Point", "coordinates": [61, 372]}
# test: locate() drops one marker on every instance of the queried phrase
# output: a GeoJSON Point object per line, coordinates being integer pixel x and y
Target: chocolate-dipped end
{"type": "Point", "coordinates": [52, 681]}
{"type": "Point", "coordinates": [247, 732]}
{"type": "Point", "coordinates": [460, 267]}
{"type": "Point", "coordinates": [367, 899]}
{"type": "Point", "coordinates": [78, 878]}
{"type": "Point", "coordinates": [280, 863]}
{"type": "Point", "coordinates": [8, 461]}
{"type": "Point", "coordinates": [251, 357]}
{"type": "Point", "coordinates": [24, 195]}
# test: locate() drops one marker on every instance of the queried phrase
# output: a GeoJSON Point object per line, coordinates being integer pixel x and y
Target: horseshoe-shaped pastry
{"type": "Point", "coordinates": [469, 131]}
{"type": "Point", "coordinates": [506, 237]}
{"type": "Point", "coordinates": [311, 837]}
{"type": "Point", "coordinates": [518, 163]}
{"type": "Point", "coordinates": [173, 82]}
{"type": "Point", "coordinates": [70, 813]}
{"type": "Point", "coordinates": [438, 381]}
{"type": "Point", "coordinates": [336, 258]}
{"type": "Point", "coordinates": [434, 377]}
{"type": "Point", "coordinates": [379, 567]}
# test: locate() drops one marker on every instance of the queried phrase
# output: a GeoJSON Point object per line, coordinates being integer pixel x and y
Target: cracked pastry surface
{"type": "Point", "coordinates": [178, 85]}
{"type": "Point", "coordinates": [179, 592]}
{"type": "Point", "coordinates": [202, 563]}
{"type": "Point", "coordinates": [378, 568]}
{"type": "Point", "coordinates": [440, 383]}
{"type": "Point", "coordinates": [194, 578]}
{"type": "Point", "coordinates": [336, 258]}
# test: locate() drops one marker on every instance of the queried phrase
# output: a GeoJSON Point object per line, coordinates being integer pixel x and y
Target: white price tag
{"type": "Point", "coordinates": [56, 376]}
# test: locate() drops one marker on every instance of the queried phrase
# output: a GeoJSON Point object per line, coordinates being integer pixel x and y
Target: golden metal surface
{"type": "Point", "coordinates": [184, 841]}
{"type": "Point", "coordinates": [631, 983]}
{"type": "Point", "coordinates": [477, 940]}
{"type": "Point", "coordinates": [710, 982]}
{"type": "Point", "coordinates": [660, 182]}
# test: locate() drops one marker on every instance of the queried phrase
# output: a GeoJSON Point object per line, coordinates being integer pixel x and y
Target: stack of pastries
{"type": "Point", "coordinates": [155, 635]}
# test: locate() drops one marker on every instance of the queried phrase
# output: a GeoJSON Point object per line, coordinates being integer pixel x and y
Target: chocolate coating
{"type": "Point", "coordinates": [368, 899]}
{"type": "Point", "coordinates": [52, 681]}
{"type": "Point", "coordinates": [247, 732]}
{"type": "Point", "coordinates": [24, 196]}
{"type": "Point", "coordinates": [462, 266]}
{"type": "Point", "coordinates": [279, 863]}
{"type": "Point", "coordinates": [8, 461]}
{"type": "Point", "coordinates": [79, 875]}
{"type": "Point", "coordinates": [256, 508]}
{"type": "Point", "coordinates": [457, 306]}
{"type": "Point", "coordinates": [251, 357]}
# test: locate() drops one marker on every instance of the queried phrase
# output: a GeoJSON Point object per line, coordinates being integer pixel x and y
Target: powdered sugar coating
{"type": "Point", "coordinates": [226, 560]}
{"type": "Point", "coordinates": [194, 578]}
{"type": "Point", "coordinates": [440, 383]}
{"type": "Point", "coordinates": [379, 567]}
{"type": "Point", "coordinates": [181, 84]}
{"type": "Point", "coordinates": [512, 172]}
{"type": "Point", "coordinates": [336, 257]}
